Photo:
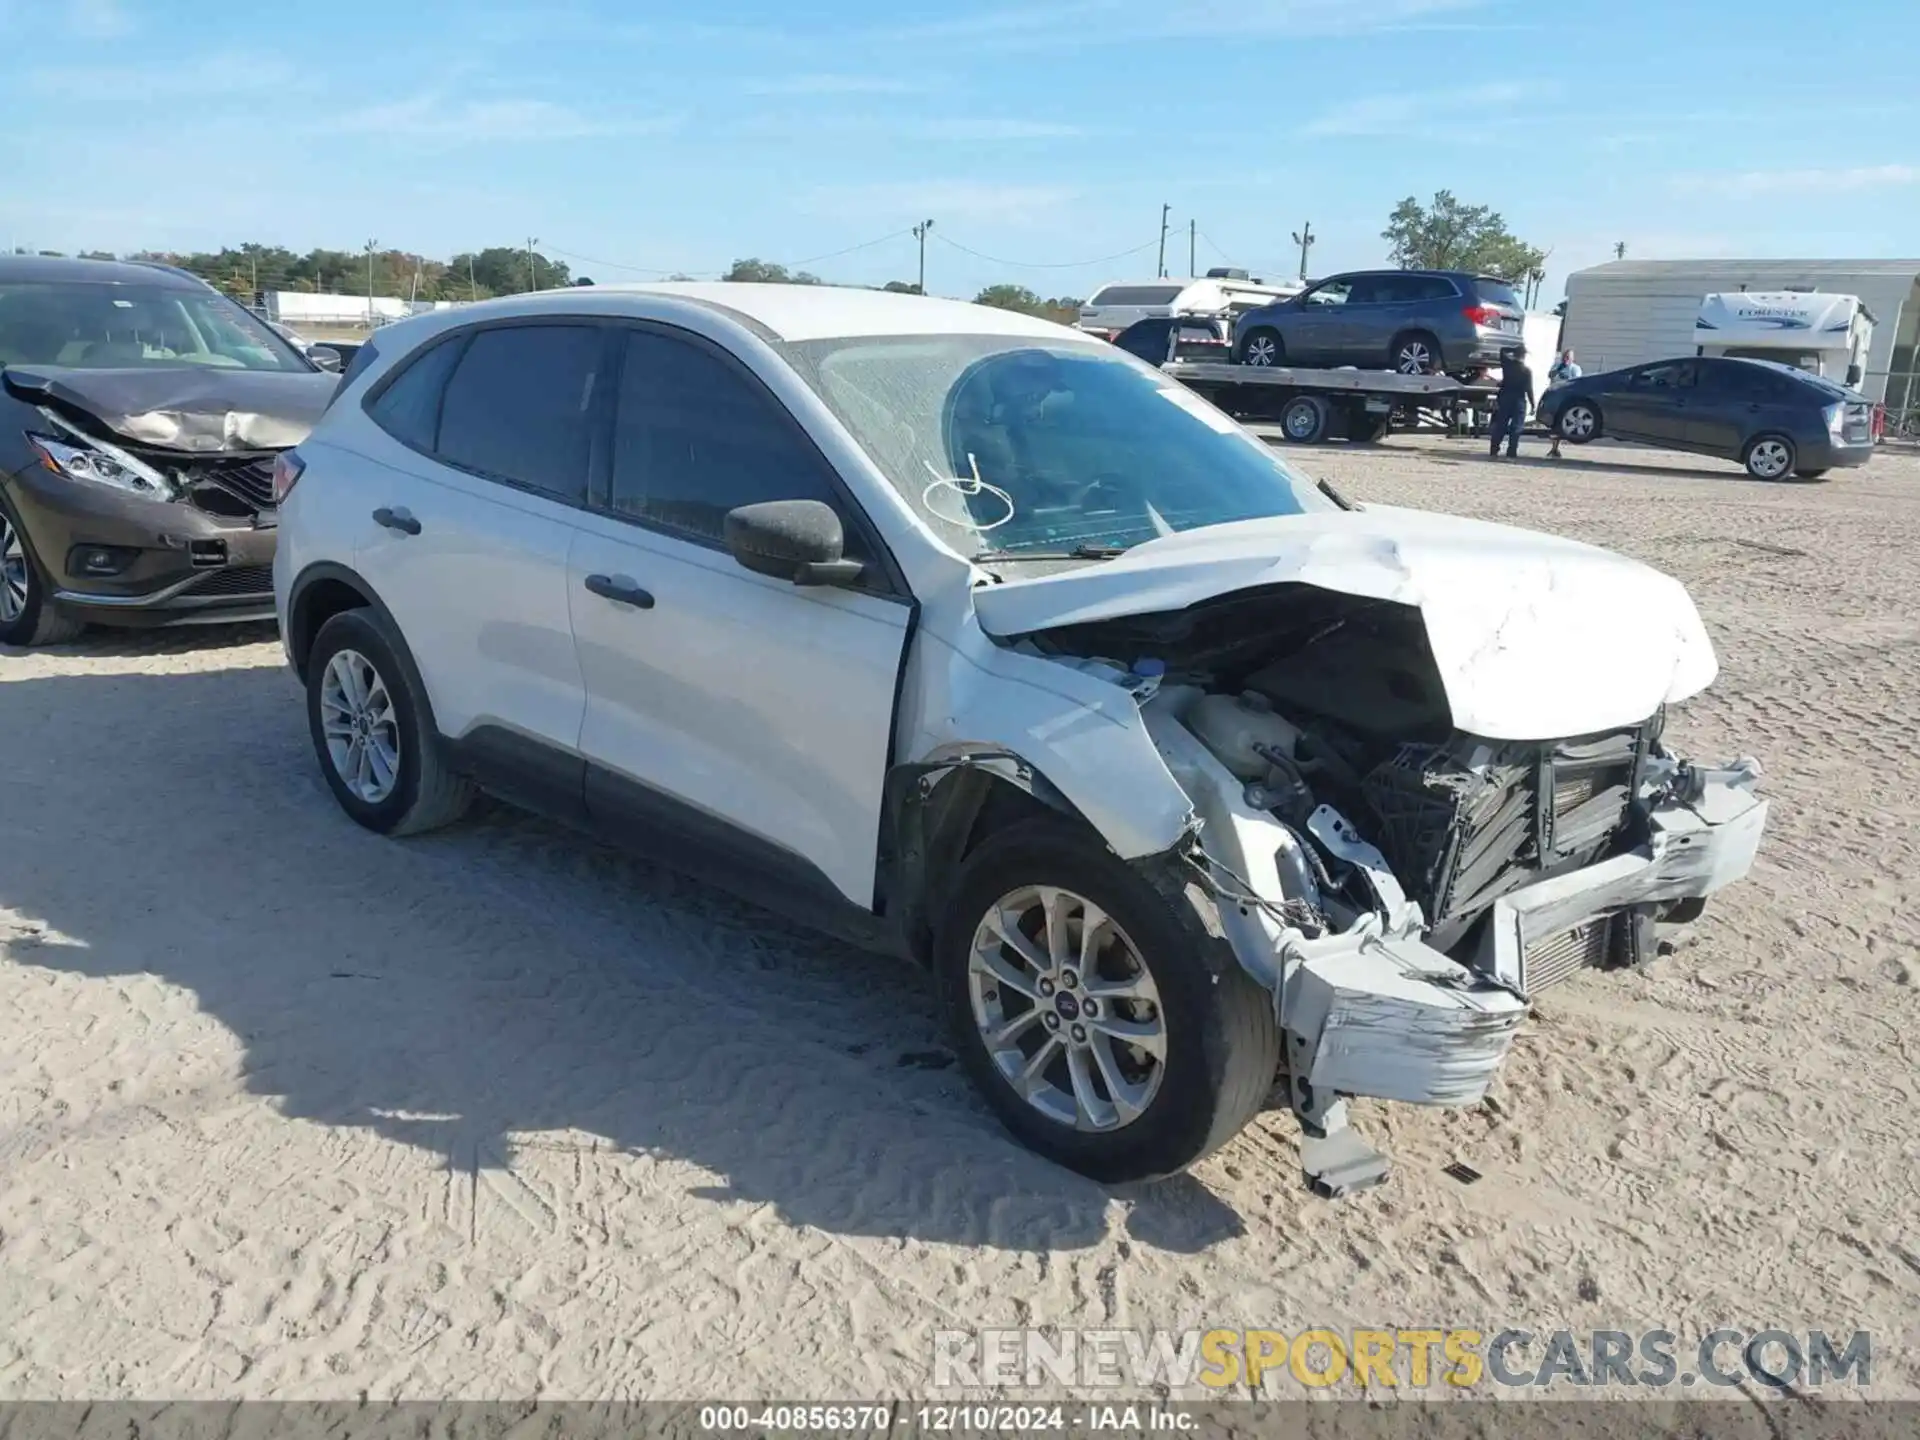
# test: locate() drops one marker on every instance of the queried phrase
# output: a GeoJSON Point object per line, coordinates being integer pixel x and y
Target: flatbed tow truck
{"type": "Point", "coordinates": [1307, 405]}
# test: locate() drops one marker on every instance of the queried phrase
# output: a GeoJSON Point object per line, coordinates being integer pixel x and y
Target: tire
{"type": "Point", "coordinates": [1415, 353]}
{"type": "Point", "coordinates": [1814, 474]}
{"type": "Point", "coordinates": [1220, 1046]}
{"type": "Point", "coordinates": [28, 615]}
{"type": "Point", "coordinates": [1578, 423]}
{"type": "Point", "coordinates": [1769, 457]}
{"type": "Point", "coordinates": [421, 792]}
{"type": "Point", "coordinates": [1304, 419]}
{"type": "Point", "coordinates": [1368, 429]}
{"type": "Point", "coordinates": [1263, 347]}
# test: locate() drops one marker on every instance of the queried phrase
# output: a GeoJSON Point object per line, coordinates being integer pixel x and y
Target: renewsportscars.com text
{"type": "Point", "coordinates": [1272, 1362]}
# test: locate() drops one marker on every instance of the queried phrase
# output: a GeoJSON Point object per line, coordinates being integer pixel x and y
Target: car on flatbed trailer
{"type": "Point", "coordinates": [1312, 405]}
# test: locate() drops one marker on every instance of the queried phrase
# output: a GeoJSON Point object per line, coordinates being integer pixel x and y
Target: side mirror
{"type": "Point", "coordinates": [797, 540]}
{"type": "Point", "coordinates": [326, 357]}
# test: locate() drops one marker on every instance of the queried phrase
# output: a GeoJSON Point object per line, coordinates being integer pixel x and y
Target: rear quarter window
{"type": "Point", "coordinates": [1496, 292]}
{"type": "Point", "coordinates": [407, 407]}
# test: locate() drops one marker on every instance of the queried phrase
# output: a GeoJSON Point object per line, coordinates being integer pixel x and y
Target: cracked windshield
{"type": "Point", "coordinates": [1013, 450]}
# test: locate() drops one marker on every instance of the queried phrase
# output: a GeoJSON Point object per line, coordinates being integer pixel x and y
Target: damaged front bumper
{"type": "Point", "coordinates": [1374, 1011]}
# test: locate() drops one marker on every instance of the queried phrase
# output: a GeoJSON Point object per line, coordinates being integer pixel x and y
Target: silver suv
{"type": "Point", "coordinates": [1418, 322]}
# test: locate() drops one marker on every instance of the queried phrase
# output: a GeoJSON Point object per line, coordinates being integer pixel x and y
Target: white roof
{"type": "Point", "coordinates": [818, 312]}
{"type": "Point", "coordinates": [1782, 272]}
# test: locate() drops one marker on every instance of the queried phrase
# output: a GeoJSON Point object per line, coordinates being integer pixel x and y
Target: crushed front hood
{"type": "Point", "coordinates": [1535, 637]}
{"type": "Point", "coordinates": [192, 408]}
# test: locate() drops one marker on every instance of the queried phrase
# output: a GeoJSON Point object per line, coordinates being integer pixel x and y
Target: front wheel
{"type": "Point", "coordinates": [1098, 1019]}
{"type": "Point", "coordinates": [1263, 347]}
{"type": "Point", "coordinates": [1771, 457]}
{"type": "Point", "coordinates": [28, 614]}
{"type": "Point", "coordinates": [1578, 423]}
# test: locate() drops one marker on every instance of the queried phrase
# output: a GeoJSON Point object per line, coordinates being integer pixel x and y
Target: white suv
{"type": "Point", "coordinates": [973, 638]}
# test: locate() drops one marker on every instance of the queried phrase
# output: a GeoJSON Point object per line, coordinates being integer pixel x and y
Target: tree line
{"type": "Point", "coordinates": [1446, 234]}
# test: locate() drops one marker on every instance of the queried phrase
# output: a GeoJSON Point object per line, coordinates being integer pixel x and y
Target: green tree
{"type": "Point", "coordinates": [1010, 297]}
{"type": "Point", "coordinates": [765, 272]}
{"type": "Point", "coordinates": [901, 287]}
{"type": "Point", "coordinates": [1449, 235]}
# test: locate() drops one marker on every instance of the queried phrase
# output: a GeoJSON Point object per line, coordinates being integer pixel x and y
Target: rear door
{"type": "Point", "coordinates": [730, 715]}
{"type": "Point", "coordinates": [1655, 404]}
{"type": "Point", "coordinates": [472, 520]}
{"type": "Point", "coordinates": [1729, 402]}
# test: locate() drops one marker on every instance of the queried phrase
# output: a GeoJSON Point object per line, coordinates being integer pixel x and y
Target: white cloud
{"type": "Point", "coordinates": [98, 19]}
{"type": "Point", "coordinates": [988, 127]}
{"type": "Point", "coordinates": [834, 85]}
{"type": "Point", "coordinates": [1084, 23]}
{"type": "Point", "coordinates": [433, 117]}
{"type": "Point", "coordinates": [1420, 112]}
{"type": "Point", "coordinates": [1830, 181]}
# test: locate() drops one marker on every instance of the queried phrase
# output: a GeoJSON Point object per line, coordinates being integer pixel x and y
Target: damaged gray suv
{"type": "Point", "coordinates": [140, 415]}
{"type": "Point", "coordinates": [977, 640]}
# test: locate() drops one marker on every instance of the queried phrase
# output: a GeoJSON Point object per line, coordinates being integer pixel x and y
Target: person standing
{"type": "Point", "coordinates": [1564, 369]}
{"type": "Point", "coordinates": [1511, 402]}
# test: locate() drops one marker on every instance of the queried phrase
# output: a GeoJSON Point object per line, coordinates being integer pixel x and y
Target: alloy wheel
{"type": "Point", "coordinates": [1577, 423]}
{"type": "Point", "coordinates": [1067, 1009]}
{"type": "Point", "coordinates": [361, 729]}
{"type": "Point", "coordinates": [1416, 358]}
{"type": "Point", "coordinates": [1261, 350]}
{"type": "Point", "coordinates": [15, 574]}
{"type": "Point", "coordinates": [1770, 459]}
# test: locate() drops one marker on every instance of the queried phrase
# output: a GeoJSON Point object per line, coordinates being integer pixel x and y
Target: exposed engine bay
{"type": "Point", "coordinates": [1403, 888]}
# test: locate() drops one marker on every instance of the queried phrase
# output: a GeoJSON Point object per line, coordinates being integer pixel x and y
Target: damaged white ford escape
{"type": "Point", "coordinates": [967, 636]}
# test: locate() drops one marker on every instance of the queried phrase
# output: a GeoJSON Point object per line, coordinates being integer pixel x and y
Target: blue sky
{"type": "Point", "coordinates": [678, 137]}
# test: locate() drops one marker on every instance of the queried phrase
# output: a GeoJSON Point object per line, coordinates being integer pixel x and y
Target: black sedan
{"type": "Point", "coordinates": [1773, 419]}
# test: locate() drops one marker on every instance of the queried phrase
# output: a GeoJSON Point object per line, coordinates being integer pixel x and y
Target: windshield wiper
{"type": "Point", "coordinates": [1326, 489]}
{"type": "Point", "coordinates": [1078, 552]}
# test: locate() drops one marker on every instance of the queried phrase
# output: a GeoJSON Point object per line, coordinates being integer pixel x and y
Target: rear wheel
{"type": "Point", "coordinates": [1263, 347]}
{"type": "Point", "coordinates": [373, 733]}
{"type": "Point", "coordinates": [1415, 353]}
{"type": "Point", "coordinates": [28, 614]}
{"type": "Point", "coordinates": [1304, 419]}
{"type": "Point", "coordinates": [1084, 1007]}
{"type": "Point", "coordinates": [1769, 457]}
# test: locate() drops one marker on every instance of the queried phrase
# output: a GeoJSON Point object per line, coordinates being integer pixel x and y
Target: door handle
{"type": "Point", "coordinates": [621, 589]}
{"type": "Point", "coordinates": [401, 520]}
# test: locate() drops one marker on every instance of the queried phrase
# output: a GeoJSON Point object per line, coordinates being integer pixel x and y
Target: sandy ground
{"type": "Point", "coordinates": [288, 1110]}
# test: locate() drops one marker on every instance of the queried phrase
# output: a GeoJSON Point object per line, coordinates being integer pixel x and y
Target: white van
{"type": "Point", "coordinates": [1825, 335]}
{"type": "Point", "coordinates": [1115, 306]}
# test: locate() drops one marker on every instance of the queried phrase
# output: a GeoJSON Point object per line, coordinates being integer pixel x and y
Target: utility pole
{"type": "Point", "coordinates": [533, 280]}
{"type": "Point", "coordinates": [473, 286]}
{"type": "Point", "coordinates": [1304, 238]}
{"type": "Point", "coordinates": [371, 245]}
{"type": "Point", "coordinates": [920, 234]}
{"type": "Point", "coordinates": [1165, 210]}
{"type": "Point", "coordinates": [1193, 229]}
{"type": "Point", "coordinates": [413, 295]}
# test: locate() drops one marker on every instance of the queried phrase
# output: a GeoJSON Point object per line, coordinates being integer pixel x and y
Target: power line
{"type": "Point", "coordinates": [1045, 264]}
{"type": "Point", "coordinates": [1215, 248]}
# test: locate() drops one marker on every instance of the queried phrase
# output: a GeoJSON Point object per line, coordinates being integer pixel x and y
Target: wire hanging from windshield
{"type": "Point", "coordinates": [967, 488]}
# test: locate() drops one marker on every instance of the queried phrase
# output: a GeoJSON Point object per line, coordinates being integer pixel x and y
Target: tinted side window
{"type": "Point", "coordinates": [1435, 287]}
{"type": "Point", "coordinates": [409, 407]}
{"type": "Point", "coordinates": [519, 407]}
{"type": "Point", "coordinates": [1675, 375]}
{"type": "Point", "coordinates": [693, 438]}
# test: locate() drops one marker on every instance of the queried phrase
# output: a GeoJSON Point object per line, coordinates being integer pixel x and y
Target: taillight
{"type": "Point", "coordinates": [288, 467]}
{"type": "Point", "coordinates": [1483, 315]}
